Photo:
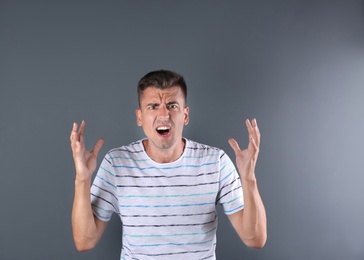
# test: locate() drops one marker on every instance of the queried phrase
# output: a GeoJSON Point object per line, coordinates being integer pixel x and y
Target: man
{"type": "Point", "coordinates": [165, 187]}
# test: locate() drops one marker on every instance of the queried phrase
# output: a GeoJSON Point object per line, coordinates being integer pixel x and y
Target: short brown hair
{"type": "Point", "coordinates": [162, 79]}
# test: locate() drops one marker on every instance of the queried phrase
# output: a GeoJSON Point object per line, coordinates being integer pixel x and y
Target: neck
{"type": "Point", "coordinates": [167, 155]}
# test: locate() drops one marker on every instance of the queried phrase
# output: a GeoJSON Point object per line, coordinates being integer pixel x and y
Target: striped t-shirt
{"type": "Point", "coordinates": [167, 210]}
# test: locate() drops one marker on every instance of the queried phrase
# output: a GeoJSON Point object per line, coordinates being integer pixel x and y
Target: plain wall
{"type": "Point", "coordinates": [297, 66]}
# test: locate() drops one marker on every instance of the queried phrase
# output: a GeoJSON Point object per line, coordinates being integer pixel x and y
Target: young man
{"type": "Point", "coordinates": [165, 187]}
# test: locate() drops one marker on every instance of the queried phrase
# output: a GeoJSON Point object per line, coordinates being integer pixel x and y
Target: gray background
{"type": "Point", "coordinates": [297, 66]}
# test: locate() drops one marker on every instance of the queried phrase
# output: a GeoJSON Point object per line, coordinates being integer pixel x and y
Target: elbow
{"type": "Point", "coordinates": [257, 243]}
{"type": "Point", "coordinates": [83, 246]}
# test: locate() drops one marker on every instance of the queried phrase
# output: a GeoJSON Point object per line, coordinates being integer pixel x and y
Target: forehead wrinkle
{"type": "Point", "coordinates": [169, 95]}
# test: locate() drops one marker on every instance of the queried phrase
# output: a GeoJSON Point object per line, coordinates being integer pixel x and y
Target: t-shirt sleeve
{"type": "Point", "coordinates": [230, 189]}
{"type": "Point", "coordinates": [104, 200]}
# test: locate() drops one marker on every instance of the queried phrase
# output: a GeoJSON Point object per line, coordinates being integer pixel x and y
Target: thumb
{"type": "Point", "coordinates": [98, 146]}
{"type": "Point", "coordinates": [234, 145]}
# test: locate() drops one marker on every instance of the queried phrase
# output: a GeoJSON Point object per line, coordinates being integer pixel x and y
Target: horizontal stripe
{"type": "Point", "coordinates": [227, 193]}
{"type": "Point", "coordinates": [167, 196]}
{"type": "Point", "coordinates": [200, 157]}
{"type": "Point", "coordinates": [165, 176]}
{"type": "Point", "coordinates": [172, 235]}
{"type": "Point", "coordinates": [108, 202]}
{"type": "Point", "coordinates": [167, 205]}
{"type": "Point", "coordinates": [166, 186]}
{"type": "Point", "coordinates": [172, 244]}
{"type": "Point", "coordinates": [173, 225]}
{"type": "Point", "coordinates": [129, 158]}
{"type": "Point", "coordinates": [235, 209]}
{"type": "Point", "coordinates": [122, 149]}
{"type": "Point", "coordinates": [106, 170]}
{"type": "Point", "coordinates": [101, 217]}
{"type": "Point", "coordinates": [168, 215]}
{"type": "Point", "coordinates": [223, 167]}
{"type": "Point", "coordinates": [127, 250]}
{"type": "Point", "coordinates": [202, 148]}
{"type": "Point", "coordinates": [147, 159]}
{"type": "Point", "coordinates": [112, 194]}
{"type": "Point", "coordinates": [174, 253]}
{"type": "Point", "coordinates": [227, 176]}
{"type": "Point", "coordinates": [165, 168]}
{"type": "Point", "coordinates": [104, 180]}
{"type": "Point", "coordinates": [207, 257]}
{"type": "Point", "coordinates": [98, 207]}
{"type": "Point", "coordinates": [232, 182]}
{"type": "Point", "coordinates": [231, 201]}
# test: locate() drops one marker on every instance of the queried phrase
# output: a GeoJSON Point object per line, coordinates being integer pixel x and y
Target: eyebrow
{"type": "Point", "coordinates": [157, 103]}
{"type": "Point", "coordinates": [152, 104]}
{"type": "Point", "coordinates": [172, 103]}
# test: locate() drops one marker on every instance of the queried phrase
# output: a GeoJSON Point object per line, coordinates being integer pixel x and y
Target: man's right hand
{"type": "Point", "coordinates": [85, 161]}
{"type": "Point", "coordinates": [87, 229]}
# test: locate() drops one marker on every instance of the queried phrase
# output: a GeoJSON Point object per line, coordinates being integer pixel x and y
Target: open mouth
{"type": "Point", "coordinates": [163, 130]}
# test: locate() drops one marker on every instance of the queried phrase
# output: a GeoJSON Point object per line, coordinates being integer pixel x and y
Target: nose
{"type": "Point", "coordinates": [163, 112]}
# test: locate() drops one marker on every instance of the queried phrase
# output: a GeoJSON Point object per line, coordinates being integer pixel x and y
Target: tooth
{"type": "Point", "coordinates": [162, 128]}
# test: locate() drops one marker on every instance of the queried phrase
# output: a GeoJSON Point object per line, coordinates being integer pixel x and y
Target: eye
{"type": "Point", "coordinates": [172, 106]}
{"type": "Point", "coordinates": [152, 106]}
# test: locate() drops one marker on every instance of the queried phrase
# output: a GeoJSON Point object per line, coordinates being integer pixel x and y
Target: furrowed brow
{"type": "Point", "coordinates": [152, 104]}
{"type": "Point", "coordinates": [173, 103]}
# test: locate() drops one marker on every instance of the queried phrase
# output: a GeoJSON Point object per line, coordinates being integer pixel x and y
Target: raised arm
{"type": "Point", "coordinates": [250, 223]}
{"type": "Point", "coordinates": [87, 229]}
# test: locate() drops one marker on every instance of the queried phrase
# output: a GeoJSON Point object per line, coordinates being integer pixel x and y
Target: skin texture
{"type": "Point", "coordinates": [166, 111]}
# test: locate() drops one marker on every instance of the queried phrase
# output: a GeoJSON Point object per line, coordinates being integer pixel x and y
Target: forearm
{"type": "Point", "coordinates": [87, 229]}
{"type": "Point", "coordinates": [85, 232]}
{"type": "Point", "coordinates": [251, 222]}
{"type": "Point", "coordinates": [254, 222]}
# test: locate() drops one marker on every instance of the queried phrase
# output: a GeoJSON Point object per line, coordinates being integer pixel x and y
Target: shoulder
{"type": "Point", "coordinates": [125, 152]}
{"type": "Point", "coordinates": [193, 147]}
{"type": "Point", "coordinates": [205, 153]}
{"type": "Point", "coordinates": [135, 147]}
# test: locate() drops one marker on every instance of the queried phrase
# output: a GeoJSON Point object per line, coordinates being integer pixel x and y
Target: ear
{"type": "Point", "coordinates": [138, 115]}
{"type": "Point", "coordinates": [186, 111]}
